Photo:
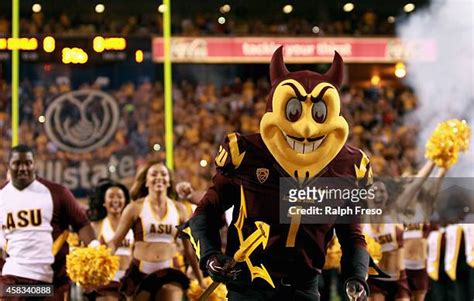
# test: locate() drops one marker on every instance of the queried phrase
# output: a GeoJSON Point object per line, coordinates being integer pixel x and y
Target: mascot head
{"type": "Point", "coordinates": [303, 127]}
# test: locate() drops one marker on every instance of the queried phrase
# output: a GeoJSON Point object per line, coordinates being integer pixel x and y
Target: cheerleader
{"type": "Point", "coordinates": [417, 231]}
{"type": "Point", "coordinates": [153, 216]}
{"type": "Point", "coordinates": [105, 209]}
{"type": "Point", "coordinates": [390, 237]}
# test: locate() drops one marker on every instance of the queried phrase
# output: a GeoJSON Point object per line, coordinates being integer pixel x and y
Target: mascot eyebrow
{"type": "Point", "coordinates": [303, 98]}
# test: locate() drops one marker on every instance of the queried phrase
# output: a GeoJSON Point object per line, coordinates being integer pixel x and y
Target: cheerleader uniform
{"type": "Point", "coordinates": [105, 235]}
{"type": "Point", "coordinates": [390, 237]}
{"type": "Point", "coordinates": [418, 279]}
{"type": "Point", "coordinates": [150, 276]}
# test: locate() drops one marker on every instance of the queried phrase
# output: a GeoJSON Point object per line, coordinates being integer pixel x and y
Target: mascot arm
{"type": "Point", "coordinates": [207, 218]}
{"type": "Point", "coordinates": [203, 228]}
{"type": "Point", "coordinates": [355, 258]}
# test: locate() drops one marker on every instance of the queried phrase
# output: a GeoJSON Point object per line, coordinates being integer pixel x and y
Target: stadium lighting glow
{"type": "Point", "coordinates": [49, 44]}
{"type": "Point", "coordinates": [221, 20]}
{"type": "Point", "coordinates": [348, 7]}
{"type": "Point", "coordinates": [74, 55]}
{"type": "Point", "coordinates": [315, 29]}
{"type": "Point", "coordinates": [409, 7]}
{"type": "Point", "coordinates": [112, 168]}
{"type": "Point", "coordinates": [99, 8]}
{"type": "Point", "coordinates": [36, 8]}
{"type": "Point", "coordinates": [156, 147]}
{"type": "Point", "coordinates": [42, 119]}
{"type": "Point", "coordinates": [18, 44]}
{"type": "Point", "coordinates": [161, 8]}
{"type": "Point", "coordinates": [375, 80]}
{"type": "Point", "coordinates": [287, 8]}
{"type": "Point", "coordinates": [100, 44]}
{"type": "Point", "coordinates": [391, 19]}
{"type": "Point", "coordinates": [224, 9]}
{"type": "Point", "coordinates": [139, 56]}
{"type": "Point", "coordinates": [400, 70]}
{"type": "Point", "coordinates": [203, 163]}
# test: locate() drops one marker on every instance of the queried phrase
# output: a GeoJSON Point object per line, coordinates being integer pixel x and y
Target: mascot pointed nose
{"type": "Point", "coordinates": [307, 132]}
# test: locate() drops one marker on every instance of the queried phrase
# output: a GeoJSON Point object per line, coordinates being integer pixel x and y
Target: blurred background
{"type": "Point", "coordinates": [220, 54]}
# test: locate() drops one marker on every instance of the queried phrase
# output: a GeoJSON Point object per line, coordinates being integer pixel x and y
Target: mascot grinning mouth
{"type": "Point", "coordinates": [303, 145]}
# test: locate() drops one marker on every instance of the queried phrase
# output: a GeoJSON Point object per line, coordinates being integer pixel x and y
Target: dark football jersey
{"type": "Point", "coordinates": [244, 162]}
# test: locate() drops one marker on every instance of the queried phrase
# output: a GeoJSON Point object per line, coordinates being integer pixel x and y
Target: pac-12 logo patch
{"type": "Point", "coordinates": [262, 174]}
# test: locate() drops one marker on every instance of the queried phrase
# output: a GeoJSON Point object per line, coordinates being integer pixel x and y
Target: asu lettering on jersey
{"type": "Point", "coordinates": [389, 236]}
{"type": "Point", "coordinates": [31, 220]}
{"type": "Point", "coordinates": [417, 230]}
{"type": "Point", "coordinates": [22, 219]}
{"type": "Point", "coordinates": [151, 228]}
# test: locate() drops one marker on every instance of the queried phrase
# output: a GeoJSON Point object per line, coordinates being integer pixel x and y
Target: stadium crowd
{"type": "Point", "coordinates": [367, 23]}
{"type": "Point", "coordinates": [204, 114]}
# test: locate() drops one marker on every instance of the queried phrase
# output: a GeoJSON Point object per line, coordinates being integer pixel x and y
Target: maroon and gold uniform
{"type": "Point", "coordinates": [302, 136]}
{"type": "Point", "coordinates": [35, 243]}
{"type": "Point", "coordinates": [415, 244]}
{"type": "Point", "coordinates": [307, 255]}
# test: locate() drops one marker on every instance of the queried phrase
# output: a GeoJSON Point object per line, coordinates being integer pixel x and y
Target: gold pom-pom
{"type": "Point", "coordinates": [195, 291]}
{"type": "Point", "coordinates": [333, 255]}
{"type": "Point", "coordinates": [92, 267]}
{"type": "Point", "coordinates": [448, 139]}
{"type": "Point", "coordinates": [374, 248]}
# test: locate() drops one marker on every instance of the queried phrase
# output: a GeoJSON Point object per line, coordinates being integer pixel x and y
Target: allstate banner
{"type": "Point", "coordinates": [297, 50]}
{"type": "Point", "coordinates": [81, 125]}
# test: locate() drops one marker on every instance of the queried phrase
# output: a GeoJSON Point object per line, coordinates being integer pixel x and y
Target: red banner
{"type": "Point", "coordinates": [296, 50]}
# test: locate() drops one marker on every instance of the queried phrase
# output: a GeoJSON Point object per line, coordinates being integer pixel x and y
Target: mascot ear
{"type": "Point", "coordinates": [336, 72]}
{"type": "Point", "coordinates": [277, 66]}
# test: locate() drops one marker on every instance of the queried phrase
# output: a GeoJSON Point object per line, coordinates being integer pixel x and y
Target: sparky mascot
{"type": "Point", "coordinates": [302, 135]}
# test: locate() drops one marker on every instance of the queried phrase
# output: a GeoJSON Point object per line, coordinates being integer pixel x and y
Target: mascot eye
{"type": "Point", "coordinates": [293, 109]}
{"type": "Point", "coordinates": [319, 111]}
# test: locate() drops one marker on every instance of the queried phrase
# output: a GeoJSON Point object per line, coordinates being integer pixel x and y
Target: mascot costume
{"type": "Point", "coordinates": [302, 136]}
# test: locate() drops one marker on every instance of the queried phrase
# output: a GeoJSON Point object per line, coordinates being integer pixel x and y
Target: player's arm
{"type": "Point", "coordinates": [128, 217]}
{"type": "Point", "coordinates": [76, 216]}
{"type": "Point", "coordinates": [86, 234]}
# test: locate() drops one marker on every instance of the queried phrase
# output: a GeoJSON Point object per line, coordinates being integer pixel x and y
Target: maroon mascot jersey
{"type": "Point", "coordinates": [302, 136]}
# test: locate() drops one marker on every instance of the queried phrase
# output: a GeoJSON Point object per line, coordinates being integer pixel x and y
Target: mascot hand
{"type": "Point", "coordinates": [221, 268]}
{"type": "Point", "coordinates": [355, 291]}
